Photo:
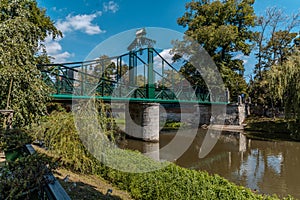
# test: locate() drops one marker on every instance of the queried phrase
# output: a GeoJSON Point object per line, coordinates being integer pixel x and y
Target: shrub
{"type": "Point", "coordinates": [22, 176]}
{"type": "Point", "coordinates": [13, 139]}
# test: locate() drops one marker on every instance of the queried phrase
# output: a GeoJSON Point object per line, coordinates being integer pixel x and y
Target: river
{"type": "Point", "coordinates": [264, 166]}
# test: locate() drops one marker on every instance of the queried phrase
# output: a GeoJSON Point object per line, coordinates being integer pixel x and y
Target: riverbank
{"type": "Point", "coordinates": [85, 186]}
{"type": "Point", "coordinates": [81, 186]}
{"type": "Point", "coordinates": [271, 129]}
{"type": "Point", "coordinates": [162, 181]}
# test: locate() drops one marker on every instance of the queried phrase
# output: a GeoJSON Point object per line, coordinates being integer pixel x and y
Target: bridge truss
{"type": "Point", "coordinates": [142, 75]}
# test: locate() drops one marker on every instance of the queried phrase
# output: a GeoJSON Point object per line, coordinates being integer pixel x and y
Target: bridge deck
{"type": "Point", "coordinates": [68, 97]}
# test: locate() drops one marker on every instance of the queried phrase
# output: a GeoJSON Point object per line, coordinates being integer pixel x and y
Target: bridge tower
{"type": "Point", "coordinates": [142, 119]}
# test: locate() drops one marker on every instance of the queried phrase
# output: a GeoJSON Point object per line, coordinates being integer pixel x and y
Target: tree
{"type": "Point", "coordinates": [285, 87]}
{"type": "Point", "coordinates": [275, 42]}
{"type": "Point", "coordinates": [223, 29]}
{"type": "Point", "coordinates": [275, 38]}
{"type": "Point", "coordinates": [284, 84]}
{"type": "Point", "coordinates": [23, 28]}
{"type": "Point", "coordinates": [141, 80]}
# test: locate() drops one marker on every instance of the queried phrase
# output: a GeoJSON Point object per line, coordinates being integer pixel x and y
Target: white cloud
{"type": "Point", "coordinates": [110, 6]}
{"type": "Point", "coordinates": [62, 57]}
{"type": "Point", "coordinates": [53, 49]}
{"type": "Point", "coordinates": [80, 23]}
{"type": "Point", "coordinates": [71, 23]}
{"type": "Point", "coordinates": [242, 57]}
{"type": "Point", "coordinates": [166, 55]}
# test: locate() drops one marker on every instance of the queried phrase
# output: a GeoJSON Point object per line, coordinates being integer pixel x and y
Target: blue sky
{"type": "Point", "coordinates": [86, 23]}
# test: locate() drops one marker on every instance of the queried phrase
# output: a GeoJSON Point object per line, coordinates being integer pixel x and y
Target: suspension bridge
{"type": "Point", "coordinates": [142, 76]}
{"type": "Point", "coordinates": [139, 76]}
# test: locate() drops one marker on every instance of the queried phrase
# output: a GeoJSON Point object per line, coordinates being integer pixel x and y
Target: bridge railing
{"type": "Point", "coordinates": [142, 74]}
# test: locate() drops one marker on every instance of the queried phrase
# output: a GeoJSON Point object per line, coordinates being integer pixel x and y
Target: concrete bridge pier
{"type": "Point", "coordinates": [142, 121]}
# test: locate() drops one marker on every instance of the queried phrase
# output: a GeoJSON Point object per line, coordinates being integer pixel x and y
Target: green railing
{"type": "Point", "coordinates": [142, 75]}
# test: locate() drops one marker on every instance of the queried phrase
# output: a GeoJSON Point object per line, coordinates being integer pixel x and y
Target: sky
{"type": "Point", "coordinates": [87, 23]}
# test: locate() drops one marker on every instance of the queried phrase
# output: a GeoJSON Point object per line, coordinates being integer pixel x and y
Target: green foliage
{"type": "Point", "coordinates": [174, 125]}
{"type": "Point", "coordinates": [285, 86]}
{"type": "Point", "coordinates": [23, 26]}
{"type": "Point", "coordinates": [60, 137]}
{"type": "Point", "coordinates": [173, 182]}
{"type": "Point", "coordinates": [22, 177]}
{"type": "Point", "coordinates": [13, 139]}
{"type": "Point", "coordinates": [259, 91]}
{"type": "Point", "coordinates": [275, 41]}
{"type": "Point", "coordinates": [223, 29]}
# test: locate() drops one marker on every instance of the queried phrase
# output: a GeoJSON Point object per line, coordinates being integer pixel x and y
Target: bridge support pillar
{"type": "Point", "coordinates": [204, 113]}
{"type": "Point", "coordinates": [142, 121]}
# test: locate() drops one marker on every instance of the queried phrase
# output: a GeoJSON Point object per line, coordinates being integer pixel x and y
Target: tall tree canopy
{"type": "Point", "coordinates": [23, 26]}
{"type": "Point", "coordinates": [275, 40]}
{"type": "Point", "coordinates": [223, 29]}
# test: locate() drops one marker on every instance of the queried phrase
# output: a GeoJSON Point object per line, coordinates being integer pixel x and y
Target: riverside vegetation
{"type": "Point", "coordinates": [170, 182]}
{"type": "Point", "coordinates": [277, 129]}
{"type": "Point", "coordinates": [64, 144]}
{"type": "Point", "coordinates": [22, 177]}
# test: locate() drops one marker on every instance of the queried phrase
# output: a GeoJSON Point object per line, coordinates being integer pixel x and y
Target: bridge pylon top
{"type": "Point", "coordinates": [141, 40]}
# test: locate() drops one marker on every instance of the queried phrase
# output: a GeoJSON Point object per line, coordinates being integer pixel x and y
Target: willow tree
{"type": "Point", "coordinates": [223, 28]}
{"type": "Point", "coordinates": [285, 86]}
{"type": "Point", "coordinates": [23, 28]}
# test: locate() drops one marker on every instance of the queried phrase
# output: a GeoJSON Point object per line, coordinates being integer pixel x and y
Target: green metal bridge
{"type": "Point", "coordinates": [141, 75]}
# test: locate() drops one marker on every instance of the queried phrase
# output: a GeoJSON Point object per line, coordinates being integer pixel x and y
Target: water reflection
{"type": "Point", "coordinates": [149, 149]}
{"type": "Point", "coordinates": [268, 167]}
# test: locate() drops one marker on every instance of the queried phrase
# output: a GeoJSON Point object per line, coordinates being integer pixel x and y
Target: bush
{"type": "Point", "coordinates": [60, 137]}
{"type": "Point", "coordinates": [13, 139]}
{"type": "Point", "coordinates": [22, 176]}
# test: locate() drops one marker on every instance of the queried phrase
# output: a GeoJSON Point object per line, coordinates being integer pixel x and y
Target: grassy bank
{"type": "Point", "coordinates": [169, 182]}
{"type": "Point", "coordinates": [272, 129]}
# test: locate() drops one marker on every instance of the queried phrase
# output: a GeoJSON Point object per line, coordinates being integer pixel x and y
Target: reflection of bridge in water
{"type": "Point", "coordinates": [142, 77]}
{"type": "Point", "coordinates": [228, 142]}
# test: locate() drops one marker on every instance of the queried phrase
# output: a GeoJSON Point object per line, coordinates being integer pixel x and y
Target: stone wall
{"type": "Point", "coordinates": [235, 114]}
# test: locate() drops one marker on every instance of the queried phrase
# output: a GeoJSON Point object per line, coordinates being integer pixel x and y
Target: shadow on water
{"type": "Point", "coordinates": [266, 166]}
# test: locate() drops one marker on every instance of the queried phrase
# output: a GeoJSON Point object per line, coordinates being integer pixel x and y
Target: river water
{"type": "Point", "coordinates": [267, 167]}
